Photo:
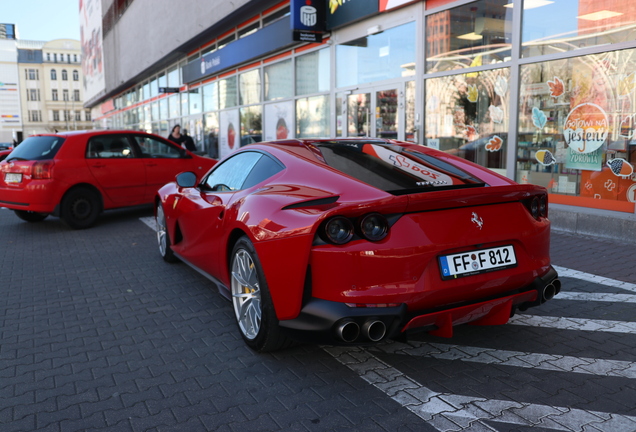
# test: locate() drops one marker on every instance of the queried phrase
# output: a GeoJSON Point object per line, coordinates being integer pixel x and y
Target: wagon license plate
{"type": "Point", "coordinates": [477, 261]}
{"type": "Point", "coordinates": [13, 177]}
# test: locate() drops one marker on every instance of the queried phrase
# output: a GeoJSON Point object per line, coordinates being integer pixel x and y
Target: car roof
{"type": "Point", "coordinates": [92, 132]}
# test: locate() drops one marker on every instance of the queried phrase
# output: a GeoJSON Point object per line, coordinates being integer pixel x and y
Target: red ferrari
{"type": "Point", "coordinates": [76, 175]}
{"type": "Point", "coordinates": [351, 241]}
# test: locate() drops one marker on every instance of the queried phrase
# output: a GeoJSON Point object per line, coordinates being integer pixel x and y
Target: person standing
{"type": "Point", "coordinates": [176, 136]}
{"type": "Point", "coordinates": [188, 142]}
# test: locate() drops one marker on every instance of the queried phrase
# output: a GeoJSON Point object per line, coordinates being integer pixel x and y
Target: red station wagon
{"type": "Point", "coordinates": [76, 175]}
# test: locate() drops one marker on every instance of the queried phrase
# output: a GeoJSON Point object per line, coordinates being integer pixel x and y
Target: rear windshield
{"type": "Point", "coordinates": [37, 148]}
{"type": "Point", "coordinates": [394, 169]}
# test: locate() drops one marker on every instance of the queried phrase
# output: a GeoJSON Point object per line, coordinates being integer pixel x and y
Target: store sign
{"type": "Point", "coordinates": [341, 12]}
{"type": "Point", "coordinates": [586, 128]}
{"type": "Point", "coordinates": [307, 20]}
{"type": "Point", "coordinates": [386, 5]}
{"type": "Point", "coordinates": [168, 89]}
{"type": "Point", "coordinates": [271, 38]}
{"type": "Point", "coordinates": [591, 161]}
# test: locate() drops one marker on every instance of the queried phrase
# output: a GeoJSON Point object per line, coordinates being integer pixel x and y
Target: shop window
{"type": "Point", "coordinates": [173, 77]}
{"type": "Point", "coordinates": [210, 97]}
{"type": "Point", "coordinates": [312, 117]}
{"type": "Point", "coordinates": [558, 26]}
{"type": "Point", "coordinates": [250, 87]}
{"type": "Point", "coordinates": [278, 80]}
{"type": "Point", "coordinates": [386, 55]}
{"type": "Point", "coordinates": [313, 72]}
{"type": "Point", "coordinates": [227, 93]}
{"type": "Point", "coordinates": [174, 106]}
{"type": "Point", "coordinates": [251, 125]}
{"type": "Point", "coordinates": [211, 134]}
{"type": "Point", "coordinates": [577, 124]}
{"type": "Point", "coordinates": [164, 112]}
{"type": "Point", "coordinates": [470, 35]}
{"type": "Point", "coordinates": [185, 106]}
{"type": "Point", "coordinates": [195, 101]}
{"type": "Point", "coordinates": [467, 116]}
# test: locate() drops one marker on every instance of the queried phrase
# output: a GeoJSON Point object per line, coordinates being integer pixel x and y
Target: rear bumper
{"type": "Point", "coordinates": [38, 196]}
{"type": "Point", "coordinates": [322, 321]}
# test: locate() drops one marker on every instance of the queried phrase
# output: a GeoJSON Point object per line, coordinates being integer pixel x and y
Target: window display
{"type": "Point", "coordinates": [576, 126]}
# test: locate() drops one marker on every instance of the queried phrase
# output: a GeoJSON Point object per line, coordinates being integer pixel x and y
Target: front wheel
{"type": "Point", "coordinates": [253, 307]}
{"type": "Point", "coordinates": [80, 208]}
{"type": "Point", "coordinates": [163, 238]}
{"type": "Point", "coordinates": [31, 216]}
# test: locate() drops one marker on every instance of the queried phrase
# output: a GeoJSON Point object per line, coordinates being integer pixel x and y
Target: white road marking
{"type": "Point", "coordinates": [150, 221]}
{"type": "Point", "coordinates": [566, 272]}
{"type": "Point", "coordinates": [591, 366]}
{"type": "Point", "coordinates": [597, 297]}
{"type": "Point", "coordinates": [450, 412]}
{"type": "Point", "coordinates": [580, 324]}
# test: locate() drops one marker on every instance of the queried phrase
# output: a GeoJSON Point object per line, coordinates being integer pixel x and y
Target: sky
{"type": "Point", "coordinates": [42, 20]}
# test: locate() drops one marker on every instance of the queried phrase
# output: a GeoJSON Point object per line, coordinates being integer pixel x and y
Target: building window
{"type": "Point", "coordinates": [35, 116]}
{"type": "Point", "coordinates": [54, 94]}
{"type": "Point", "coordinates": [65, 94]}
{"type": "Point", "coordinates": [75, 75]}
{"type": "Point", "coordinates": [64, 75]}
{"type": "Point", "coordinates": [67, 115]}
{"type": "Point", "coordinates": [48, 56]}
{"type": "Point", "coordinates": [32, 74]}
{"type": "Point", "coordinates": [56, 115]}
{"type": "Point", "coordinates": [87, 115]}
{"type": "Point", "coordinates": [78, 116]}
{"type": "Point", "coordinates": [76, 95]}
{"type": "Point", "coordinates": [279, 82]}
{"type": "Point", "coordinates": [55, 58]}
{"type": "Point", "coordinates": [75, 58]}
{"type": "Point", "coordinates": [313, 72]}
{"type": "Point", "coordinates": [53, 74]}
{"type": "Point", "coordinates": [33, 94]}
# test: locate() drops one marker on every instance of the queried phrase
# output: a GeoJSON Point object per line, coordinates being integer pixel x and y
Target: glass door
{"type": "Point", "coordinates": [376, 112]}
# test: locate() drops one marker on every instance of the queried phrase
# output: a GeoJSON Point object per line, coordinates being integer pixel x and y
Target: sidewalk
{"type": "Point", "coordinates": [598, 223]}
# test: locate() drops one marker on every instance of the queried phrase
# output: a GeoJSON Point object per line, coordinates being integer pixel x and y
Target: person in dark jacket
{"type": "Point", "coordinates": [176, 136]}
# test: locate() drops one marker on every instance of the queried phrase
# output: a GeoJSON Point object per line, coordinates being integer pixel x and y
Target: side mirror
{"type": "Point", "coordinates": [187, 179]}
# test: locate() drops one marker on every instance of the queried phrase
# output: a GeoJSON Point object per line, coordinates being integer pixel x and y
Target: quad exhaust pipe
{"type": "Point", "coordinates": [350, 331]}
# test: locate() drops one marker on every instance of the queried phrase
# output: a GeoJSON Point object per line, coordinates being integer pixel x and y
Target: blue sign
{"type": "Point", "coordinates": [308, 20]}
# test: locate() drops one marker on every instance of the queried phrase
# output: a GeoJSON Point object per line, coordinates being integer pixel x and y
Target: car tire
{"type": "Point", "coordinates": [163, 238]}
{"type": "Point", "coordinates": [80, 208]}
{"type": "Point", "coordinates": [31, 216]}
{"type": "Point", "coordinates": [252, 303]}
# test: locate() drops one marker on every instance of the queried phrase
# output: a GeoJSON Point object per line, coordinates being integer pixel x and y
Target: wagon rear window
{"type": "Point", "coordinates": [394, 169]}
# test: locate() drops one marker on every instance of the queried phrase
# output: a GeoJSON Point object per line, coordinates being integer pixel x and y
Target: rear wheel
{"type": "Point", "coordinates": [80, 208]}
{"type": "Point", "coordinates": [163, 238]}
{"type": "Point", "coordinates": [253, 307]}
{"type": "Point", "coordinates": [31, 216]}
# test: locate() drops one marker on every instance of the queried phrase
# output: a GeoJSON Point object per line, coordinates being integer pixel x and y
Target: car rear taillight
{"type": "Point", "coordinates": [42, 170]}
{"type": "Point", "coordinates": [538, 206]}
{"type": "Point", "coordinates": [340, 230]}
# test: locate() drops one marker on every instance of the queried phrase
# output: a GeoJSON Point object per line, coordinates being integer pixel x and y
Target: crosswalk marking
{"type": "Point", "coordinates": [580, 324]}
{"type": "Point", "coordinates": [597, 297]}
{"type": "Point", "coordinates": [582, 365]}
{"type": "Point", "coordinates": [588, 277]}
{"type": "Point", "coordinates": [451, 412]}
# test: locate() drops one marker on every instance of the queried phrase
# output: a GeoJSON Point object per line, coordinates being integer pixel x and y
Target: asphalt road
{"type": "Point", "coordinates": [98, 333]}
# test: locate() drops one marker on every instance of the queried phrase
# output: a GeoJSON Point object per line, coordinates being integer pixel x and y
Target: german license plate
{"type": "Point", "coordinates": [477, 261]}
{"type": "Point", "coordinates": [13, 177]}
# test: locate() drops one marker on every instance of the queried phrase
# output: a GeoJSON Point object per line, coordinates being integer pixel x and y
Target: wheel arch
{"type": "Point", "coordinates": [58, 208]}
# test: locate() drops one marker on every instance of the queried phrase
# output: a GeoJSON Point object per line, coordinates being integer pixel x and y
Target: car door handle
{"type": "Point", "coordinates": [151, 164]}
{"type": "Point", "coordinates": [98, 165]}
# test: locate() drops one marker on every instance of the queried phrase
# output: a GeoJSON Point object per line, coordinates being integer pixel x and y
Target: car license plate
{"type": "Point", "coordinates": [477, 261]}
{"type": "Point", "coordinates": [12, 177]}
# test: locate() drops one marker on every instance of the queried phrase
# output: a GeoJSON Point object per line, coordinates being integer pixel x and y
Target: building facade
{"type": "Point", "coordinates": [10, 111]}
{"type": "Point", "coordinates": [537, 90]}
{"type": "Point", "coordinates": [51, 86]}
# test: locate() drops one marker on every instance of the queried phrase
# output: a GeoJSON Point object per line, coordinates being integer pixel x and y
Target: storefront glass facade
{"type": "Point", "coordinates": [540, 91]}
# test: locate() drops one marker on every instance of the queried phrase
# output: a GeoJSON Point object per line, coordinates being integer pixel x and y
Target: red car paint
{"type": "Point", "coordinates": [128, 178]}
{"type": "Point", "coordinates": [282, 216]}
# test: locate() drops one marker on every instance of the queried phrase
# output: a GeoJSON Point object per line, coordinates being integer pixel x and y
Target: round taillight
{"type": "Point", "coordinates": [338, 230]}
{"type": "Point", "coordinates": [543, 206]}
{"type": "Point", "coordinates": [534, 207]}
{"type": "Point", "coordinates": [374, 227]}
